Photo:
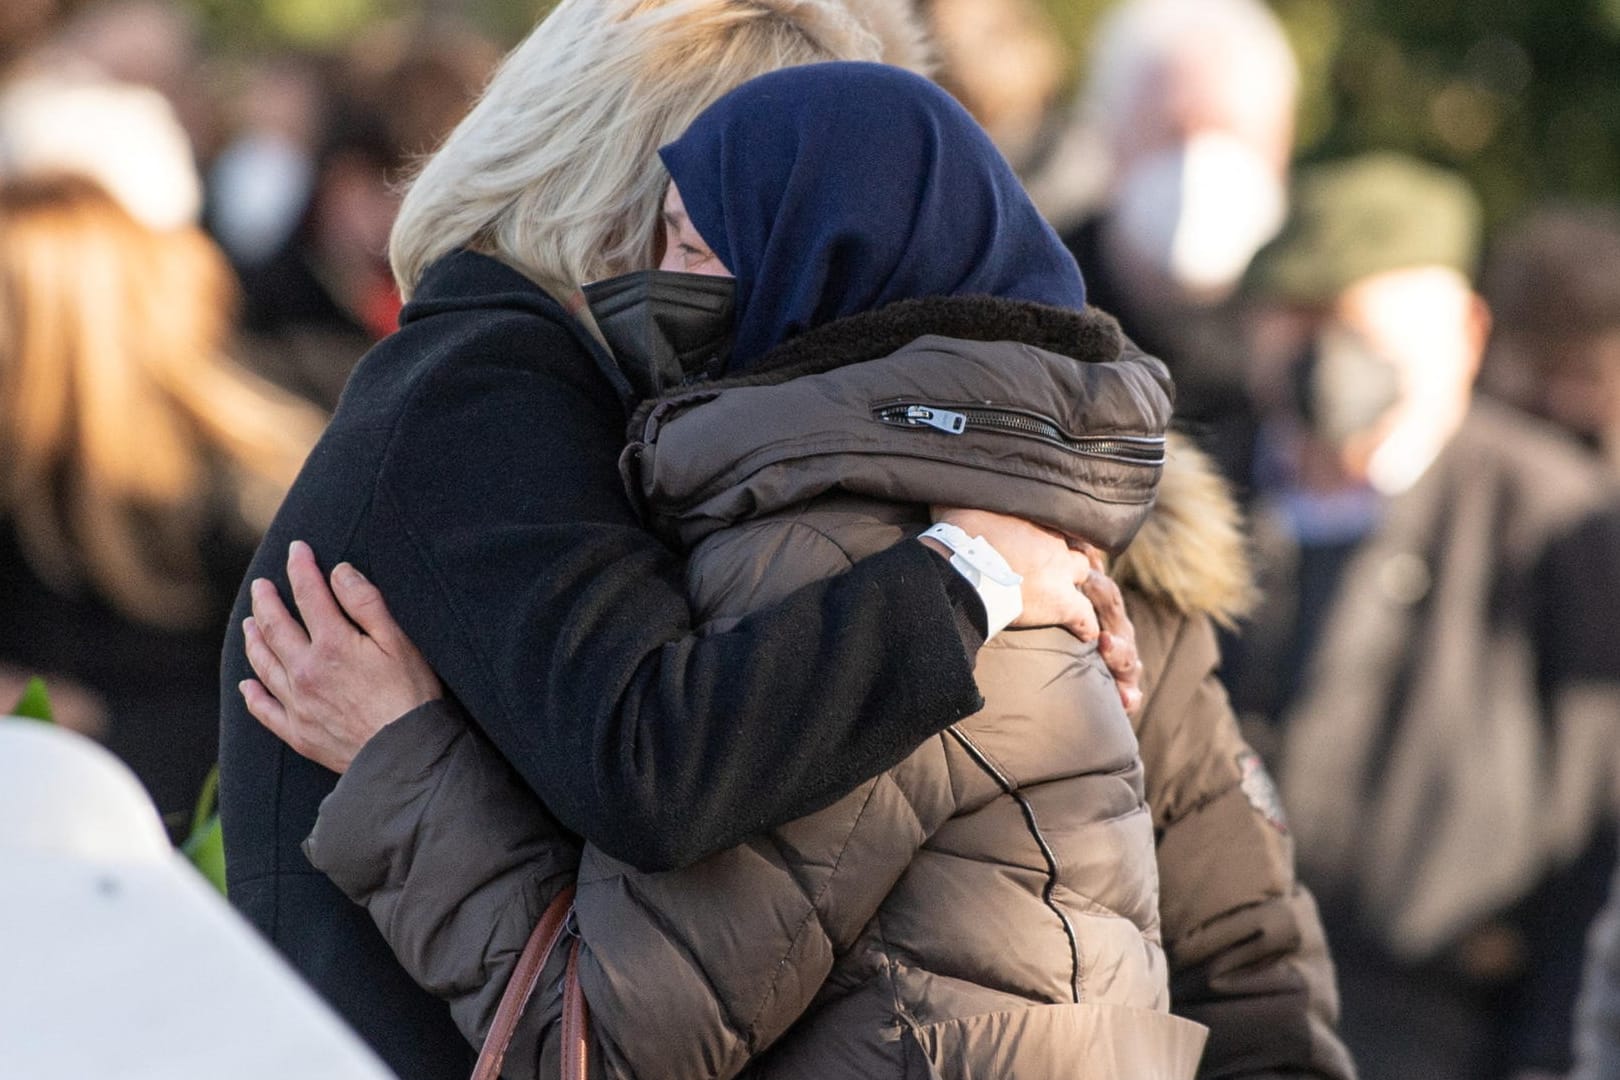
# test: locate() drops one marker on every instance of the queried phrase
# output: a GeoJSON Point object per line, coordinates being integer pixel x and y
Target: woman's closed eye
{"type": "Point", "coordinates": [693, 257]}
{"type": "Point", "coordinates": [685, 251]}
{"type": "Point", "coordinates": [684, 248]}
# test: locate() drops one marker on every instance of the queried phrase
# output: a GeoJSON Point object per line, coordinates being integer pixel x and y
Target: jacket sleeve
{"type": "Point", "coordinates": [455, 861]}
{"type": "Point", "coordinates": [501, 535]}
{"type": "Point", "coordinates": [1247, 953]}
{"type": "Point", "coordinates": [453, 858]}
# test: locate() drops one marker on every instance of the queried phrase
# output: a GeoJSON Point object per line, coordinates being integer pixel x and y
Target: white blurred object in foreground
{"type": "Point", "coordinates": [119, 959]}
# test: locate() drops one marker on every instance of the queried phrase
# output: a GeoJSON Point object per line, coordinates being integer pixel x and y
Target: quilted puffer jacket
{"type": "Point", "coordinates": [988, 908]}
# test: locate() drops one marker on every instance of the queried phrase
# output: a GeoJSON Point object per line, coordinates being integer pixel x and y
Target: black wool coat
{"type": "Point", "coordinates": [471, 471]}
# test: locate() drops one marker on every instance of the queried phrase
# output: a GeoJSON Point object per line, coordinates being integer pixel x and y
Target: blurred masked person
{"type": "Point", "coordinates": [1560, 359]}
{"type": "Point", "coordinates": [138, 465]}
{"type": "Point", "coordinates": [1436, 645]}
{"type": "Point", "coordinates": [1194, 102]}
{"type": "Point", "coordinates": [324, 295]}
{"type": "Point", "coordinates": [260, 182]}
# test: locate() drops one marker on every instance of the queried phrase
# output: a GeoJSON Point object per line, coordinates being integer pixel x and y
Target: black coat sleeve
{"type": "Point", "coordinates": [500, 533]}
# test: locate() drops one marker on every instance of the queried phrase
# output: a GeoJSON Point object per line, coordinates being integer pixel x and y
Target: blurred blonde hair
{"type": "Point", "coordinates": [122, 423]}
{"type": "Point", "coordinates": [555, 171]}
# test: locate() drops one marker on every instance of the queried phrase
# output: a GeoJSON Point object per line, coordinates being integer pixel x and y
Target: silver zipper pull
{"type": "Point", "coordinates": [952, 423]}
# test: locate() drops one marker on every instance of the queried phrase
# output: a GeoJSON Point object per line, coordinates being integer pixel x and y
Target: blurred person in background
{"type": "Point", "coordinates": [259, 184]}
{"type": "Point", "coordinates": [151, 43]}
{"type": "Point", "coordinates": [145, 42]}
{"type": "Point", "coordinates": [1437, 653]}
{"type": "Point", "coordinates": [326, 294]}
{"type": "Point", "coordinates": [1553, 283]}
{"type": "Point", "coordinates": [1561, 361]}
{"type": "Point", "coordinates": [138, 464]}
{"type": "Point", "coordinates": [1194, 102]}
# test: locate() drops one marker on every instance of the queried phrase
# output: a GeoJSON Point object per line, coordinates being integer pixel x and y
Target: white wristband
{"type": "Point", "coordinates": [984, 568]}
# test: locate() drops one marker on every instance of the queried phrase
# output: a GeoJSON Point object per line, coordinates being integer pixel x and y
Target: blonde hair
{"type": "Point", "coordinates": [555, 171]}
{"type": "Point", "coordinates": [121, 420]}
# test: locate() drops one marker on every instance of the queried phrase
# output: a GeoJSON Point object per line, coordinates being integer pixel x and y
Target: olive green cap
{"type": "Point", "coordinates": [1349, 220]}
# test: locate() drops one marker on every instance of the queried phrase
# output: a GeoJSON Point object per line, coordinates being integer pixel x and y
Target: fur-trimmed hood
{"type": "Point", "coordinates": [1190, 554]}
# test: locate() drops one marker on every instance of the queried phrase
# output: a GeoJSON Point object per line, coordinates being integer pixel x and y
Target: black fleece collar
{"type": "Point", "coordinates": [1089, 336]}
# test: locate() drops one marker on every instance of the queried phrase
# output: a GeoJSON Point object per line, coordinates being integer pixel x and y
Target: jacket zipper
{"type": "Point", "coordinates": [960, 419]}
{"type": "Point", "coordinates": [1047, 854]}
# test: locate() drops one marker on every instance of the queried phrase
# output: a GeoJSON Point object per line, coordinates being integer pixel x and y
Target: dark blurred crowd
{"type": "Point", "coordinates": [194, 257]}
{"type": "Point", "coordinates": [1422, 420]}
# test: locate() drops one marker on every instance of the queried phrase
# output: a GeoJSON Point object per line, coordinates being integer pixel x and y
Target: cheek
{"type": "Point", "coordinates": [669, 258]}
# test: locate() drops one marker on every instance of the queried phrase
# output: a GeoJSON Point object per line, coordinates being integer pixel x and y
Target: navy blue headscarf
{"type": "Point", "coordinates": [833, 189]}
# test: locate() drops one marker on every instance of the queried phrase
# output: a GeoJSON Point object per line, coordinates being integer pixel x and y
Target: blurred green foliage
{"type": "Point", "coordinates": [35, 703]}
{"type": "Point", "coordinates": [205, 844]}
{"type": "Point", "coordinates": [1523, 96]}
{"type": "Point", "coordinates": [253, 25]}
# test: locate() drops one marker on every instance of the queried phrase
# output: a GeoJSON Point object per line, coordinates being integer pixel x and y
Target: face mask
{"type": "Point", "coordinates": [1197, 214]}
{"type": "Point", "coordinates": [1342, 386]}
{"type": "Point", "coordinates": [666, 329]}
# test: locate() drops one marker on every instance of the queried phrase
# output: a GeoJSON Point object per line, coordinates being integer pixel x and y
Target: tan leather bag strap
{"type": "Point", "coordinates": [525, 976]}
{"type": "Point", "coordinates": [576, 1022]}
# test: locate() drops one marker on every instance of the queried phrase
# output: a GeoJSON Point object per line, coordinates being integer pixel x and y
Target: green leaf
{"type": "Point", "coordinates": [35, 703]}
{"type": "Point", "coordinates": [205, 847]}
{"type": "Point", "coordinates": [206, 850]}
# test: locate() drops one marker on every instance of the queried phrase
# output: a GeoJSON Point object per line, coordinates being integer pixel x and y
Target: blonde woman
{"type": "Point", "coordinates": [138, 466]}
{"type": "Point", "coordinates": [472, 472]}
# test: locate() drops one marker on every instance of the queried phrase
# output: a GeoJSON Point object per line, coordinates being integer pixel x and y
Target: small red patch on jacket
{"type": "Point", "coordinates": [1261, 790]}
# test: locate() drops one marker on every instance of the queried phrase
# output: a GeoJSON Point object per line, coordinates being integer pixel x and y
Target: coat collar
{"type": "Point", "coordinates": [466, 280]}
{"type": "Point", "coordinates": [1089, 336]}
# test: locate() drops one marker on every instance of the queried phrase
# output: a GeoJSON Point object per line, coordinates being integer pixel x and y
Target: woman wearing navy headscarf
{"type": "Point", "coordinates": [905, 332]}
{"type": "Point", "coordinates": [835, 189]}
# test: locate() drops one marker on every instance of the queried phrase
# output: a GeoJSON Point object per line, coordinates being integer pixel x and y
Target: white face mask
{"type": "Point", "coordinates": [1198, 213]}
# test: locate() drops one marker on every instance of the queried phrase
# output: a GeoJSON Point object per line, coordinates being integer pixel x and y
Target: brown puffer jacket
{"type": "Point", "coordinates": [986, 909]}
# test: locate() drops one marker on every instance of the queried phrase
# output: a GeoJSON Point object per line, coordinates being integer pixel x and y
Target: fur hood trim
{"type": "Point", "coordinates": [1192, 553]}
